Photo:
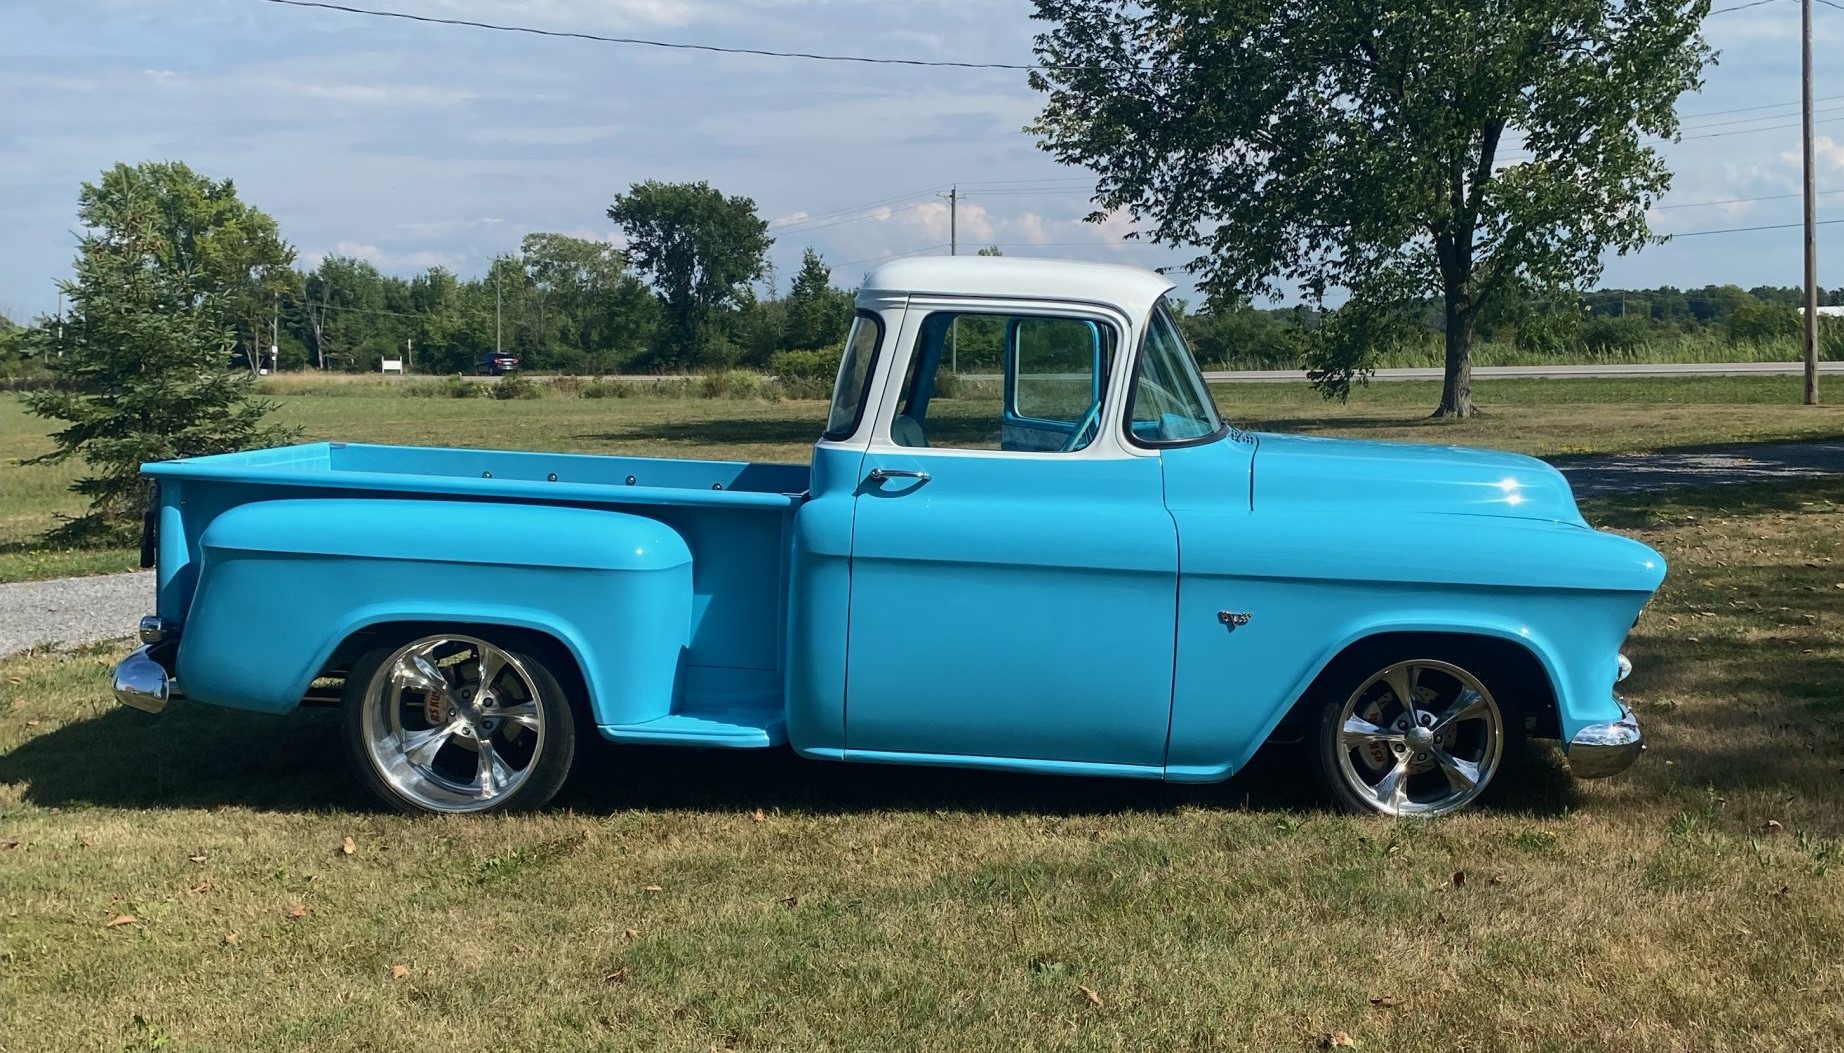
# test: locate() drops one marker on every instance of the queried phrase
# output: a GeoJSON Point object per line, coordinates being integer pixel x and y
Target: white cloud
{"type": "Point", "coordinates": [386, 260]}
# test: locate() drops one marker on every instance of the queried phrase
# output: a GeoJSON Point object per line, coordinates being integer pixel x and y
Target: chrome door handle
{"type": "Point", "coordinates": [878, 475]}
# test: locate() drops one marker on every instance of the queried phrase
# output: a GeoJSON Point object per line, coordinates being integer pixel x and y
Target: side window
{"type": "Point", "coordinates": [1015, 383]}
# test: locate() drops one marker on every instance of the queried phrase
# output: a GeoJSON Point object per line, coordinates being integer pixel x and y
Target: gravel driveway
{"type": "Point", "coordinates": [71, 611]}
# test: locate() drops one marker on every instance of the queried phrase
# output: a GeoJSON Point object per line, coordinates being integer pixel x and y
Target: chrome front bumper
{"type": "Point", "coordinates": [1600, 750]}
{"type": "Point", "coordinates": [142, 683]}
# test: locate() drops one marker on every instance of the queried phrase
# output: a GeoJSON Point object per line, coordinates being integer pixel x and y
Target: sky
{"type": "Point", "coordinates": [414, 145]}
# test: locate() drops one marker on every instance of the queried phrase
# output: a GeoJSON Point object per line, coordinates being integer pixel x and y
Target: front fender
{"type": "Point", "coordinates": [281, 584]}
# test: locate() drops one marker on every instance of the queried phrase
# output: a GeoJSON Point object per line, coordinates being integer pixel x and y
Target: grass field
{"type": "Point", "coordinates": [183, 883]}
{"type": "Point", "coordinates": [1543, 417]}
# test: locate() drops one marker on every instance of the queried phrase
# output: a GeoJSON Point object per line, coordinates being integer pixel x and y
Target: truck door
{"type": "Point", "coordinates": [1014, 569]}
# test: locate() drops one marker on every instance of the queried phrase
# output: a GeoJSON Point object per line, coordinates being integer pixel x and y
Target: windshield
{"type": "Point", "coordinates": [1170, 402]}
{"type": "Point", "coordinates": [854, 382]}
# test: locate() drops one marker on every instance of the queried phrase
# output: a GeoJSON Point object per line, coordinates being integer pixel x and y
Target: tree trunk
{"type": "Point", "coordinates": [1457, 385]}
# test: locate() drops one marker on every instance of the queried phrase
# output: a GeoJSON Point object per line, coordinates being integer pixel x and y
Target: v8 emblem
{"type": "Point", "coordinates": [1234, 619]}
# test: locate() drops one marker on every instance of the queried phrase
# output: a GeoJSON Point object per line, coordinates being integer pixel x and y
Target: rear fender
{"type": "Point", "coordinates": [282, 584]}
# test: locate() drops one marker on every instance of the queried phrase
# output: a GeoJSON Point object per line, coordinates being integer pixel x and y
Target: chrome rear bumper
{"type": "Point", "coordinates": [1600, 750]}
{"type": "Point", "coordinates": [142, 683]}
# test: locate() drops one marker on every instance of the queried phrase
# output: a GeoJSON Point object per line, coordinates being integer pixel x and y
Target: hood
{"type": "Point", "coordinates": [1355, 476]}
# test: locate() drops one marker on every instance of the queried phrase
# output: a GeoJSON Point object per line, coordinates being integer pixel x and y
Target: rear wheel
{"type": "Point", "coordinates": [1412, 736]}
{"type": "Point", "coordinates": [456, 723]}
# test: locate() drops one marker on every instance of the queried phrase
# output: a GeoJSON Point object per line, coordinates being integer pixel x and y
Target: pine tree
{"type": "Point", "coordinates": [143, 361]}
{"type": "Point", "coordinates": [817, 313]}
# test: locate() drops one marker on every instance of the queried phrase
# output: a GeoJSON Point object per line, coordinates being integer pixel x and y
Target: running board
{"type": "Point", "coordinates": [737, 729]}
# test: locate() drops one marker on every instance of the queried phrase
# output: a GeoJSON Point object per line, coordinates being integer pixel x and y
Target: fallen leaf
{"type": "Point", "coordinates": [196, 859]}
{"type": "Point", "coordinates": [1092, 996]}
{"type": "Point", "coordinates": [652, 888]}
{"type": "Point", "coordinates": [120, 919]}
{"type": "Point", "coordinates": [200, 889]}
{"type": "Point", "coordinates": [9, 844]}
{"type": "Point", "coordinates": [348, 846]}
{"type": "Point", "coordinates": [398, 972]}
{"type": "Point", "coordinates": [759, 816]}
{"type": "Point", "coordinates": [628, 934]}
{"type": "Point", "coordinates": [1772, 824]}
{"type": "Point", "coordinates": [1339, 1040]}
{"type": "Point", "coordinates": [1459, 878]}
{"type": "Point", "coordinates": [32, 723]}
{"type": "Point", "coordinates": [230, 937]}
{"type": "Point", "coordinates": [299, 910]}
{"type": "Point", "coordinates": [14, 680]}
{"type": "Point", "coordinates": [618, 977]}
{"type": "Point", "coordinates": [790, 901]}
{"type": "Point", "coordinates": [1384, 1001]}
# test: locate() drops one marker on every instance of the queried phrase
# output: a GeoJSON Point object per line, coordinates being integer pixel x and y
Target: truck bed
{"type": "Point", "coordinates": [734, 518]}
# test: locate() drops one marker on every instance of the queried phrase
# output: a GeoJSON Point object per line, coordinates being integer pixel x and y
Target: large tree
{"type": "Point", "coordinates": [143, 355]}
{"type": "Point", "coordinates": [1396, 152]}
{"type": "Point", "coordinates": [213, 244]}
{"type": "Point", "coordinates": [698, 248]}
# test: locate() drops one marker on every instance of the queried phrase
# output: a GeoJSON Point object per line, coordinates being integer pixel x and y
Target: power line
{"type": "Point", "coordinates": [876, 213]}
{"type": "Point", "coordinates": [1740, 200]}
{"type": "Point", "coordinates": [879, 203]}
{"type": "Point", "coordinates": [642, 42]}
{"type": "Point", "coordinates": [1742, 230]}
{"type": "Point", "coordinates": [1751, 109]}
{"type": "Point", "coordinates": [1740, 7]}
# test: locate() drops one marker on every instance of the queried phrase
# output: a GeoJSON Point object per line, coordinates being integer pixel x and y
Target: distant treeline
{"type": "Point", "coordinates": [1712, 323]}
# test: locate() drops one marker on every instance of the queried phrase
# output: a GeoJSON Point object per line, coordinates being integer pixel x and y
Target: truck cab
{"type": "Point", "coordinates": [1027, 540]}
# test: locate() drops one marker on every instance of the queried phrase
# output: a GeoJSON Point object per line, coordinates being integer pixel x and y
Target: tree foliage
{"type": "Point", "coordinates": [699, 249]}
{"type": "Point", "coordinates": [817, 313]}
{"type": "Point", "coordinates": [143, 355]}
{"type": "Point", "coordinates": [1400, 152]}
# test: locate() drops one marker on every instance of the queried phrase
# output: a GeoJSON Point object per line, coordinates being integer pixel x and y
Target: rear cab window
{"type": "Point", "coordinates": [853, 388]}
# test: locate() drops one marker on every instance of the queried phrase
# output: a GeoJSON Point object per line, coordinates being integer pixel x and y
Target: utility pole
{"type": "Point", "coordinates": [953, 196]}
{"type": "Point", "coordinates": [275, 325]}
{"type": "Point", "coordinates": [1805, 98]}
{"type": "Point", "coordinates": [409, 353]}
{"type": "Point", "coordinates": [496, 302]}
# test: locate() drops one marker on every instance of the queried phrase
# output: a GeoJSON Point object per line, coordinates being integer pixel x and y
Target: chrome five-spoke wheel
{"type": "Point", "coordinates": [457, 723]}
{"type": "Point", "coordinates": [1419, 737]}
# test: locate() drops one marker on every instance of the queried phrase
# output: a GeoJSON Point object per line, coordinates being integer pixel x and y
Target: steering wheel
{"type": "Point", "coordinates": [1089, 420]}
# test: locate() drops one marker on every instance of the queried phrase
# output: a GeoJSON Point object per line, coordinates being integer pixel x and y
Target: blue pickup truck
{"type": "Point", "coordinates": [1027, 541]}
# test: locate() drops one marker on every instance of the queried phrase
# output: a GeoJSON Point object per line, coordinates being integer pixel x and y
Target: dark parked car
{"type": "Point", "coordinates": [495, 364]}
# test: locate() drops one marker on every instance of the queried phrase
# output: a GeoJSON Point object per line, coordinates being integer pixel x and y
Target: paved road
{"type": "Point", "coordinates": [71, 611]}
{"type": "Point", "coordinates": [1691, 369]}
{"type": "Point", "coordinates": [1598, 474]}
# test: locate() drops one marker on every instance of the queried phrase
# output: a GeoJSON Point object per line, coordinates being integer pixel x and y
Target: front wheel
{"type": "Point", "coordinates": [457, 723]}
{"type": "Point", "coordinates": [1411, 737]}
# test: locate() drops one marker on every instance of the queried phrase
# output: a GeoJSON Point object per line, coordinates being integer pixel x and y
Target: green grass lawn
{"type": "Point", "coordinates": [181, 882]}
{"type": "Point", "coordinates": [1543, 417]}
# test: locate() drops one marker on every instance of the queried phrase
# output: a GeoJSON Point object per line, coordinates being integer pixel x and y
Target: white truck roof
{"type": "Point", "coordinates": [1131, 290]}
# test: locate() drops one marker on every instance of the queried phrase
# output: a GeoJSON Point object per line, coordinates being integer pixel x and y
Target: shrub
{"type": "Point", "coordinates": [460, 387]}
{"type": "Point", "coordinates": [1755, 321]}
{"type": "Point", "coordinates": [1616, 335]}
{"type": "Point", "coordinates": [818, 364]}
{"type": "Point", "coordinates": [517, 386]}
{"type": "Point", "coordinates": [736, 384]}
{"type": "Point", "coordinates": [610, 388]}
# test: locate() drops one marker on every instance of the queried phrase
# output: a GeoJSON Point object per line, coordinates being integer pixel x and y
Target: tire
{"type": "Point", "coordinates": [415, 718]}
{"type": "Point", "coordinates": [1445, 752]}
